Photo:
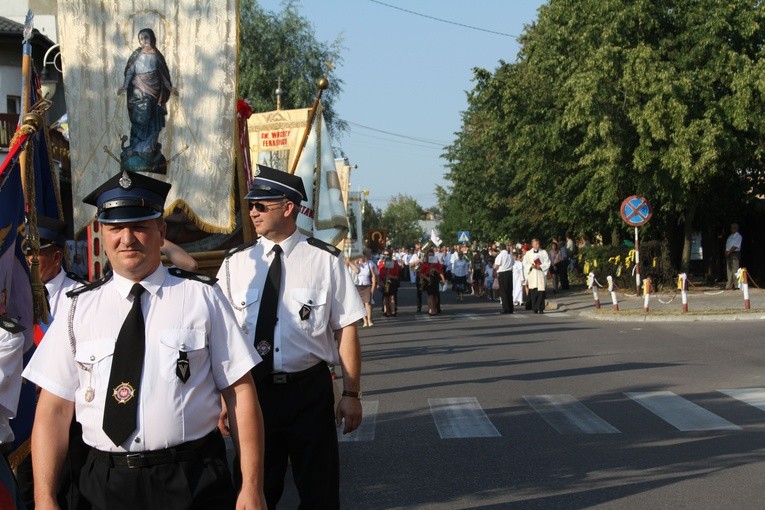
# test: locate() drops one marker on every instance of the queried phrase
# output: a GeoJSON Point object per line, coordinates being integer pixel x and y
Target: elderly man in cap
{"type": "Point", "coordinates": [57, 280]}
{"type": "Point", "coordinates": [144, 356]}
{"type": "Point", "coordinates": [297, 303]}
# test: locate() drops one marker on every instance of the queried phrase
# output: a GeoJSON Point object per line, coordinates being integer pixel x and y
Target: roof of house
{"type": "Point", "coordinates": [8, 27]}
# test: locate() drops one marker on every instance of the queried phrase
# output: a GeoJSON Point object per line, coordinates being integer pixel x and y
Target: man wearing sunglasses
{"type": "Point", "coordinates": [296, 302]}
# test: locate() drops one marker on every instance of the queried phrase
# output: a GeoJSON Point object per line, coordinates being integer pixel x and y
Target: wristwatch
{"type": "Point", "coordinates": [354, 394]}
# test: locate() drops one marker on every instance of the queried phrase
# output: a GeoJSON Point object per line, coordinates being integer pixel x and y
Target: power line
{"type": "Point", "coordinates": [445, 20]}
{"type": "Point", "coordinates": [400, 142]}
{"type": "Point", "coordinates": [435, 143]}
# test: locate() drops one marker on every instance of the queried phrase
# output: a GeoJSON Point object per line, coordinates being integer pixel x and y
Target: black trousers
{"type": "Point", "coordinates": [201, 483]}
{"type": "Point", "coordinates": [299, 420]}
{"type": "Point", "coordinates": [537, 300]}
{"type": "Point", "coordinates": [419, 292]}
{"type": "Point", "coordinates": [562, 269]}
{"type": "Point", "coordinates": [506, 290]}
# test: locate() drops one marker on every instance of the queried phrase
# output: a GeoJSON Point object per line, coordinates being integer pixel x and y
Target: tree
{"type": "Point", "coordinates": [283, 46]}
{"type": "Point", "coordinates": [400, 219]}
{"type": "Point", "coordinates": [371, 217]}
{"type": "Point", "coordinates": [610, 98]}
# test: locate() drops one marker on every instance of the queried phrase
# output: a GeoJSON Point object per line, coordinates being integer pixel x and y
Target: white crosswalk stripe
{"type": "Point", "coordinates": [567, 415]}
{"type": "Point", "coordinates": [682, 414]}
{"type": "Point", "coordinates": [755, 397]}
{"type": "Point", "coordinates": [461, 418]}
{"type": "Point", "coordinates": [366, 431]}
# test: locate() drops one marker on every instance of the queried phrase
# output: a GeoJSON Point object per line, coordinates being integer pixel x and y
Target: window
{"type": "Point", "coordinates": [13, 104]}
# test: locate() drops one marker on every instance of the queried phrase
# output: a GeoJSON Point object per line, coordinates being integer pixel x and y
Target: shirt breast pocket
{"type": "Point", "coordinates": [311, 309]}
{"type": "Point", "coordinates": [191, 342]}
{"type": "Point", "coordinates": [95, 361]}
{"type": "Point", "coordinates": [248, 303]}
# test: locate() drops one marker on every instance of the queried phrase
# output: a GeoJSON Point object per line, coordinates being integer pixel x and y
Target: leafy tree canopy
{"type": "Point", "coordinates": [400, 219]}
{"type": "Point", "coordinates": [283, 45]}
{"type": "Point", "coordinates": [609, 98]}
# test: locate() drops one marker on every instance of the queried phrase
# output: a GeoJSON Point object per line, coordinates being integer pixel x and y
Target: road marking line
{"type": "Point", "coordinates": [755, 397]}
{"type": "Point", "coordinates": [461, 417]}
{"type": "Point", "coordinates": [557, 314]}
{"type": "Point", "coordinates": [568, 416]}
{"type": "Point", "coordinates": [366, 431]}
{"type": "Point", "coordinates": [679, 412]}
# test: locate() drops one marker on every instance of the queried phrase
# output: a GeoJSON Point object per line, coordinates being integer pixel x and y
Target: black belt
{"type": "Point", "coordinates": [182, 452]}
{"type": "Point", "coordinates": [285, 378]}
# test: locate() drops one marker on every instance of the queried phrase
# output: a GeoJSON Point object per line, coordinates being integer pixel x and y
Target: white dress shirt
{"type": "Point", "coordinates": [504, 261]}
{"type": "Point", "coordinates": [180, 315]}
{"type": "Point", "coordinates": [734, 240]}
{"type": "Point", "coordinates": [57, 289]}
{"type": "Point", "coordinates": [11, 359]}
{"type": "Point", "coordinates": [311, 277]}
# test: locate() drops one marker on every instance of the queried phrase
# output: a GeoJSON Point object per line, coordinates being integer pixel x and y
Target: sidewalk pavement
{"type": "Point", "coordinates": [704, 304]}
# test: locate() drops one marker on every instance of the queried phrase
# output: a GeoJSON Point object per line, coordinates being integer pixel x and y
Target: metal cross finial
{"type": "Point", "coordinates": [279, 93]}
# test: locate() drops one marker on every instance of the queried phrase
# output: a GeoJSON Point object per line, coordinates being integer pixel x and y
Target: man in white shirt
{"type": "Point", "coordinates": [298, 305]}
{"type": "Point", "coordinates": [733, 255]}
{"type": "Point", "coordinates": [148, 402]}
{"type": "Point", "coordinates": [503, 266]}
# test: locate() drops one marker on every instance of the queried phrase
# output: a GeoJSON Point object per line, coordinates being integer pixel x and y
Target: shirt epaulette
{"type": "Point", "coordinates": [76, 277]}
{"type": "Point", "coordinates": [189, 275]}
{"type": "Point", "coordinates": [241, 247]}
{"type": "Point", "coordinates": [317, 243]}
{"type": "Point", "coordinates": [10, 325]}
{"type": "Point", "coordinates": [89, 286]}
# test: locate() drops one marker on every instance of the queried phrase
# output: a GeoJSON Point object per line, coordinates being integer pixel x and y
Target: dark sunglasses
{"type": "Point", "coordinates": [261, 207]}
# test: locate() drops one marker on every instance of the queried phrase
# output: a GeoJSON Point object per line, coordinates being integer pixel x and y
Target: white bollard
{"type": "Point", "coordinates": [592, 283]}
{"type": "Point", "coordinates": [612, 290]}
{"type": "Point", "coordinates": [682, 283]}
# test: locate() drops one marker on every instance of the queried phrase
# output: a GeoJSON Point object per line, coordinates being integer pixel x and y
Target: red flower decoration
{"type": "Point", "coordinates": [243, 109]}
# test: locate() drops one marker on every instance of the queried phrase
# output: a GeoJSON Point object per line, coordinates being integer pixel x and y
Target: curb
{"type": "Point", "coordinates": [613, 317]}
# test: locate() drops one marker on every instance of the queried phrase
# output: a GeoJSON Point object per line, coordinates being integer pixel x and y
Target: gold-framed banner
{"type": "Point", "coordinates": [151, 87]}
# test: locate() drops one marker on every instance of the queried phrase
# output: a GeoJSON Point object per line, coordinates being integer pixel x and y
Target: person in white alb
{"type": "Point", "coordinates": [732, 256]}
{"type": "Point", "coordinates": [503, 266]}
{"type": "Point", "coordinates": [536, 263]}
{"type": "Point", "coordinates": [143, 357]}
{"type": "Point", "coordinates": [296, 302]}
{"type": "Point", "coordinates": [519, 278]}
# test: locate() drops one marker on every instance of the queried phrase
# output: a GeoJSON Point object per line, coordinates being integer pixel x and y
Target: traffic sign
{"type": "Point", "coordinates": [636, 211]}
{"type": "Point", "coordinates": [463, 236]}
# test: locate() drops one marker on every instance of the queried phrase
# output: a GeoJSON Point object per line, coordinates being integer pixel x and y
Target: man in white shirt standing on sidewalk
{"type": "Point", "coordinates": [733, 255]}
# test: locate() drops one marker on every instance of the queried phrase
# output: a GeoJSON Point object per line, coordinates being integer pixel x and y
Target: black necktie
{"type": "Point", "coordinates": [122, 394]}
{"type": "Point", "coordinates": [269, 303]}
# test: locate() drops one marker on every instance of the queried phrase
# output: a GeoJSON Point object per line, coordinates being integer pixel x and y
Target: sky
{"type": "Point", "coordinates": [408, 75]}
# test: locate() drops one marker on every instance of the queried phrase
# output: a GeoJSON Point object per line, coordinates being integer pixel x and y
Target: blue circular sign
{"type": "Point", "coordinates": [636, 211]}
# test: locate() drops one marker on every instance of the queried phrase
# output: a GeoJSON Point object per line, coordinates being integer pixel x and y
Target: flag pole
{"type": "Point", "coordinates": [323, 85]}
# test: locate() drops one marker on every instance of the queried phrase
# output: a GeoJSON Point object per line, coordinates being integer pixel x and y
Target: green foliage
{"type": "Point", "coordinates": [610, 98]}
{"type": "Point", "coordinates": [274, 45]}
{"type": "Point", "coordinates": [400, 219]}
{"type": "Point", "coordinates": [371, 217]}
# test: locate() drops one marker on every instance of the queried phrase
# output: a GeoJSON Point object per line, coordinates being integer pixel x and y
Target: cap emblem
{"type": "Point", "coordinates": [125, 182]}
{"type": "Point", "coordinates": [257, 171]}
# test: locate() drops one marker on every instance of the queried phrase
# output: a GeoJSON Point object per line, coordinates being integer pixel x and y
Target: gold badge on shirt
{"type": "Point", "coordinates": [123, 393]}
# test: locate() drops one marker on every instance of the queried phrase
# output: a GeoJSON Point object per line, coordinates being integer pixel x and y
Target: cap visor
{"type": "Point", "coordinates": [128, 215]}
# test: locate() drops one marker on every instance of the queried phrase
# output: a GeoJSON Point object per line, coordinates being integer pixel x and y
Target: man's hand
{"type": "Point", "coordinates": [248, 499]}
{"type": "Point", "coordinates": [348, 408]}
{"type": "Point", "coordinates": [223, 420]}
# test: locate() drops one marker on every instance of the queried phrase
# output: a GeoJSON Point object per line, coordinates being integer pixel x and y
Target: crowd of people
{"type": "Point", "coordinates": [512, 274]}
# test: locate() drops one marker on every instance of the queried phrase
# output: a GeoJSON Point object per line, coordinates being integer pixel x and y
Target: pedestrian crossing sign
{"type": "Point", "coordinates": [463, 236]}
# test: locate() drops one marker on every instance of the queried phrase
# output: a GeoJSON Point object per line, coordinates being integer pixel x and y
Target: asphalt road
{"type": "Point", "coordinates": [473, 409]}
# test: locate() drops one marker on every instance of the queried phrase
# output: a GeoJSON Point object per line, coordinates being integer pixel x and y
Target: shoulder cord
{"type": "Point", "coordinates": [228, 288]}
{"type": "Point", "coordinates": [72, 339]}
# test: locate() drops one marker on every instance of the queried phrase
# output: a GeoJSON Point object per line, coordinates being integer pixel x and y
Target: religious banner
{"type": "Point", "coordinates": [274, 142]}
{"type": "Point", "coordinates": [151, 87]}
